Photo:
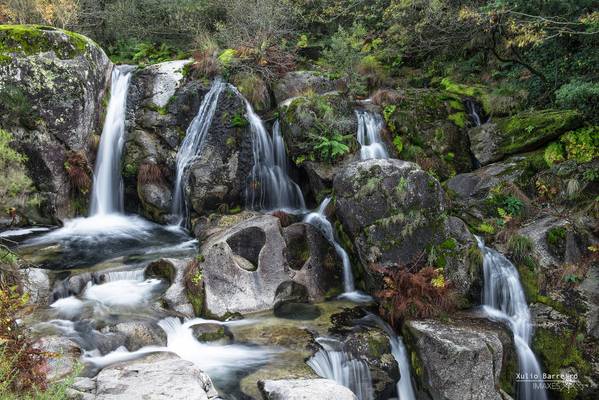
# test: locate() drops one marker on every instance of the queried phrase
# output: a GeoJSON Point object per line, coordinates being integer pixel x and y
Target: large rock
{"type": "Point", "coordinates": [154, 378]}
{"type": "Point", "coordinates": [244, 265]}
{"type": "Point", "coordinates": [522, 132]}
{"type": "Point", "coordinates": [160, 105]}
{"type": "Point", "coordinates": [51, 87]}
{"type": "Point", "coordinates": [394, 212]}
{"type": "Point", "coordinates": [64, 356]}
{"type": "Point", "coordinates": [304, 389]}
{"type": "Point", "coordinates": [218, 176]}
{"type": "Point", "coordinates": [460, 361]}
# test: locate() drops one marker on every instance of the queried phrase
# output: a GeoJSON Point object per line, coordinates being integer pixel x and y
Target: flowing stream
{"type": "Point", "coordinates": [369, 128]}
{"type": "Point", "coordinates": [320, 221]}
{"type": "Point", "coordinates": [269, 186]}
{"type": "Point", "coordinates": [504, 300]}
{"type": "Point", "coordinates": [194, 137]}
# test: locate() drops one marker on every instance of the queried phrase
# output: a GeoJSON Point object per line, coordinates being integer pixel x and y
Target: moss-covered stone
{"type": "Point", "coordinates": [32, 39]}
{"type": "Point", "coordinates": [527, 130]}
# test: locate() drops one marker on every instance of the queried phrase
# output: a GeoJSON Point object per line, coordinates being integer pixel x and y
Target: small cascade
{"type": "Point", "coordinates": [333, 363]}
{"type": "Point", "coordinates": [405, 390]}
{"type": "Point", "coordinates": [504, 300]}
{"type": "Point", "coordinates": [319, 220]}
{"type": "Point", "coordinates": [269, 186]}
{"type": "Point", "coordinates": [123, 289]}
{"type": "Point", "coordinates": [369, 129]}
{"type": "Point", "coordinates": [194, 136]}
{"type": "Point", "coordinates": [107, 190]}
{"type": "Point", "coordinates": [475, 112]}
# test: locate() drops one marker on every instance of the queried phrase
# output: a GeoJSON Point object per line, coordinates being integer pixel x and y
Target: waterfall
{"type": "Point", "coordinates": [319, 220]}
{"type": "Point", "coordinates": [194, 136]}
{"type": "Point", "coordinates": [333, 363]}
{"type": "Point", "coordinates": [269, 187]}
{"type": "Point", "coordinates": [474, 112]}
{"type": "Point", "coordinates": [504, 299]}
{"type": "Point", "coordinates": [369, 128]}
{"type": "Point", "coordinates": [405, 390]}
{"type": "Point", "coordinates": [107, 190]}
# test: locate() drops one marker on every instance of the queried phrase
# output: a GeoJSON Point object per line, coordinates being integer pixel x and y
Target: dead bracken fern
{"type": "Point", "coordinates": [421, 294]}
{"type": "Point", "coordinates": [78, 171]}
{"type": "Point", "coordinates": [150, 173]}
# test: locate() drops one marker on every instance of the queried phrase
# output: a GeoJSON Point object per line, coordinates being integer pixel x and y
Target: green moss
{"type": "Point", "coordinates": [509, 369]}
{"type": "Point", "coordinates": [525, 130]}
{"type": "Point", "coordinates": [459, 118]}
{"type": "Point", "coordinates": [32, 39]}
{"type": "Point", "coordinates": [559, 351]}
{"type": "Point", "coordinates": [160, 110]}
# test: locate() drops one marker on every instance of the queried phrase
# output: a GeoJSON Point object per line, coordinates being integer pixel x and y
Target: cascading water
{"type": "Point", "coordinates": [333, 363]}
{"type": "Point", "coordinates": [504, 300]}
{"type": "Point", "coordinates": [194, 137]}
{"type": "Point", "coordinates": [474, 112]}
{"type": "Point", "coordinates": [107, 190]}
{"type": "Point", "coordinates": [269, 186]}
{"type": "Point", "coordinates": [405, 390]}
{"type": "Point", "coordinates": [320, 221]}
{"type": "Point", "coordinates": [369, 128]}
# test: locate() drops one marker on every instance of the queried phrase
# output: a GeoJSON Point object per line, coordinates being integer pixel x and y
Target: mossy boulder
{"type": "Point", "coordinates": [52, 83]}
{"type": "Point", "coordinates": [427, 126]}
{"type": "Point", "coordinates": [393, 212]}
{"type": "Point", "coordinates": [461, 358]}
{"type": "Point", "coordinates": [522, 132]}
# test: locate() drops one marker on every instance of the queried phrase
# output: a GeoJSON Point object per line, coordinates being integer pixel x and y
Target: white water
{"type": "Point", "coordinates": [369, 129]}
{"type": "Point", "coordinates": [504, 300]}
{"type": "Point", "coordinates": [474, 112]}
{"type": "Point", "coordinates": [319, 220]}
{"type": "Point", "coordinates": [269, 186]}
{"type": "Point", "coordinates": [405, 390]}
{"type": "Point", "coordinates": [107, 190]}
{"type": "Point", "coordinates": [215, 360]}
{"type": "Point", "coordinates": [194, 137]}
{"type": "Point", "coordinates": [132, 291]}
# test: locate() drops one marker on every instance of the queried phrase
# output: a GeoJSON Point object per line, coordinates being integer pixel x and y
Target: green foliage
{"type": "Point", "coordinates": [398, 143]}
{"type": "Point", "coordinates": [580, 95]}
{"type": "Point", "coordinates": [130, 51]}
{"type": "Point", "coordinates": [16, 188]}
{"type": "Point", "coordinates": [333, 148]}
{"type": "Point", "coordinates": [556, 236]}
{"type": "Point", "coordinates": [227, 56]}
{"type": "Point", "coordinates": [238, 120]}
{"type": "Point", "coordinates": [582, 145]}
{"type": "Point", "coordinates": [485, 227]}
{"type": "Point", "coordinates": [554, 153]}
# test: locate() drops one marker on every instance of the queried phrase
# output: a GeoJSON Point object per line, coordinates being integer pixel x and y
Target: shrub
{"type": "Point", "coordinates": [580, 95]}
{"type": "Point", "coordinates": [421, 294]}
{"type": "Point", "coordinates": [254, 89]}
{"type": "Point", "coordinates": [150, 173]}
{"type": "Point", "coordinates": [554, 153]}
{"type": "Point", "coordinates": [385, 97]}
{"type": "Point", "coordinates": [582, 144]}
{"type": "Point", "coordinates": [331, 149]}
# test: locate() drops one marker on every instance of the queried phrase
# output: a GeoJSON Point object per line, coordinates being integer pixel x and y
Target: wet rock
{"type": "Point", "coordinates": [393, 212]}
{"type": "Point", "coordinates": [214, 333]}
{"type": "Point", "coordinates": [173, 270]}
{"type": "Point", "coordinates": [522, 132]}
{"type": "Point", "coordinates": [460, 360]}
{"type": "Point", "coordinates": [140, 333]}
{"type": "Point", "coordinates": [234, 283]}
{"type": "Point", "coordinates": [218, 176]}
{"type": "Point", "coordinates": [297, 83]}
{"type": "Point", "coordinates": [52, 91]}
{"type": "Point", "coordinates": [155, 377]}
{"type": "Point", "coordinates": [160, 105]}
{"type": "Point", "coordinates": [64, 356]}
{"type": "Point", "coordinates": [299, 389]}
{"type": "Point", "coordinates": [36, 283]}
